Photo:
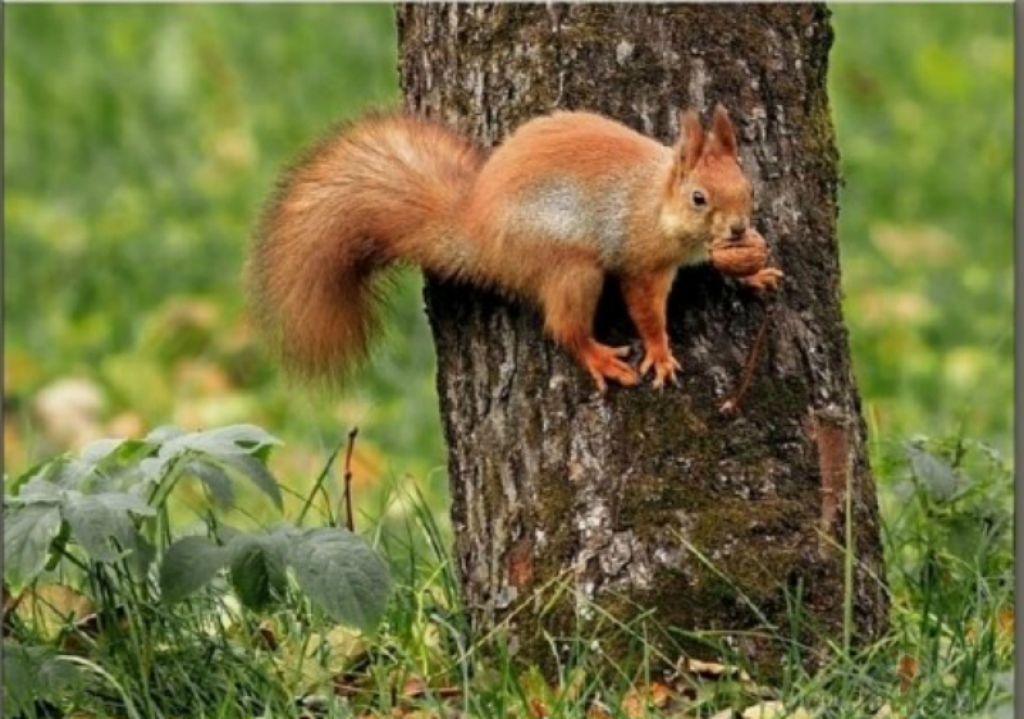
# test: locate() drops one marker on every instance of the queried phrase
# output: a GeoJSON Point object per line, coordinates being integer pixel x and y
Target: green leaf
{"type": "Point", "coordinates": [343, 574]}
{"type": "Point", "coordinates": [941, 480]}
{"type": "Point", "coordinates": [98, 450]}
{"type": "Point", "coordinates": [239, 448]}
{"type": "Point", "coordinates": [163, 433]}
{"type": "Point", "coordinates": [215, 479]}
{"type": "Point", "coordinates": [116, 464]}
{"type": "Point", "coordinates": [188, 565]}
{"type": "Point", "coordinates": [258, 569]}
{"type": "Point", "coordinates": [223, 441]}
{"type": "Point", "coordinates": [37, 491]}
{"type": "Point", "coordinates": [254, 470]}
{"type": "Point", "coordinates": [62, 471]}
{"type": "Point", "coordinates": [28, 531]}
{"type": "Point", "coordinates": [125, 502]}
{"type": "Point", "coordinates": [32, 674]}
{"type": "Point", "coordinates": [152, 468]}
{"type": "Point", "coordinates": [96, 519]}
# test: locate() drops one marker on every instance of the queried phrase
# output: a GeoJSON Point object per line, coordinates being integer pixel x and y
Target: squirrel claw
{"type": "Point", "coordinates": [665, 367]}
{"type": "Point", "coordinates": [766, 278]}
{"type": "Point", "coordinates": [603, 362]}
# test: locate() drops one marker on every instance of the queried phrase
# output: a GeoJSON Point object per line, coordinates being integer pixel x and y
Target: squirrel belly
{"type": "Point", "coordinates": [567, 200]}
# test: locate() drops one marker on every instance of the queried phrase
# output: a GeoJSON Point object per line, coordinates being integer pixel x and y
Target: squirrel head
{"type": "Point", "coordinates": [708, 198]}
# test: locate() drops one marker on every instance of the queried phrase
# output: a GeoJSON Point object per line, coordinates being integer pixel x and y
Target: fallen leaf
{"type": "Point", "coordinates": [711, 670]}
{"type": "Point", "coordinates": [52, 607]}
{"type": "Point", "coordinates": [636, 702]}
{"type": "Point", "coordinates": [906, 671]}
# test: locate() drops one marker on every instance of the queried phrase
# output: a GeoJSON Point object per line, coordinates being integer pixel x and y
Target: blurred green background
{"type": "Point", "coordinates": [141, 141]}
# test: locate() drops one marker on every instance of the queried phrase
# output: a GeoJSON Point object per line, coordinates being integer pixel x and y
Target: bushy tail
{"type": "Point", "coordinates": [381, 190]}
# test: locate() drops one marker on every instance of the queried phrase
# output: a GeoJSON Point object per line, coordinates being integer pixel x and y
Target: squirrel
{"type": "Point", "coordinates": [568, 199]}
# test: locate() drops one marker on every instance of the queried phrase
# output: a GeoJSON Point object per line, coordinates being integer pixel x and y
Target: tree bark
{"type": "Point", "coordinates": [645, 500]}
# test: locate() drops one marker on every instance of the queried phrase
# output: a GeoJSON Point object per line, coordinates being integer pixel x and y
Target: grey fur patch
{"type": "Point", "coordinates": [561, 210]}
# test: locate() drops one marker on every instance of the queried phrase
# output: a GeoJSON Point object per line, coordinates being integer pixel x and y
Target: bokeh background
{"type": "Point", "coordinates": [140, 142]}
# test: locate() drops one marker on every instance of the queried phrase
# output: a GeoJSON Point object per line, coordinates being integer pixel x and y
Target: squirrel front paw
{"type": "Point", "coordinates": [664, 364]}
{"type": "Point", "coordinates": [764, 279]}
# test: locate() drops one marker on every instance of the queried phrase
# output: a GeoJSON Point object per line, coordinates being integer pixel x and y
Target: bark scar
{"type": "Point", "coordinates": [520, 563]}
{"type": "Point", "coordinates": [831, 429]}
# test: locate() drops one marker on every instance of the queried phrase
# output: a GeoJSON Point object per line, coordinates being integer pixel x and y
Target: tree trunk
{"type": "Point", "coordinates": [646, 500]}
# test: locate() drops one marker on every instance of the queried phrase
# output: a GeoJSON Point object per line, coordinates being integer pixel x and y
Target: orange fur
{"type": "Point", "coordinates": [384, 189]}
{"type": "Point", "coordinates": [567, 200]}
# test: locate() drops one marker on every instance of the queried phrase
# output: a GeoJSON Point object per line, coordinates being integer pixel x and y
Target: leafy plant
{"type": "Point", "coordinates": [951, 523]}
{"type": "Point", "coordinates": [99, 520]}
{"type": "Point", "coordinates": [333, 566]}
{"type": "Point", "coordinates": [32, 673]}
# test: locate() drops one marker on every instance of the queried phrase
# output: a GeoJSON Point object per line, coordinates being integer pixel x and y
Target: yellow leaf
{"type": "Point", "coordinates": [52, 607]}
{"type": "Point", "coordinates": [636, 702]}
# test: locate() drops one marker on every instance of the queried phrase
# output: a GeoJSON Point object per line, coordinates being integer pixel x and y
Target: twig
{"type": "Point", "coordinates": [732, 404]}
{"type": "Point", "coordinates": [348, 480]}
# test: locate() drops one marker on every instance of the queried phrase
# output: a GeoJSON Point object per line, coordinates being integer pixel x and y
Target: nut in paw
{"type": "Point", "coordinates": [740, 258]}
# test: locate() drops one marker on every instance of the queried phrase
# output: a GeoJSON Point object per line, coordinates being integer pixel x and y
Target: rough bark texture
{"type": "Point", "coordinates": [618, 497]}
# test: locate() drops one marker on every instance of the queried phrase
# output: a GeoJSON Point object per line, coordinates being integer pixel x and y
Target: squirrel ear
{"type": "Point", "coordinates": [691, 141]}
{"type": "Point", "coordinates": [723, 134]}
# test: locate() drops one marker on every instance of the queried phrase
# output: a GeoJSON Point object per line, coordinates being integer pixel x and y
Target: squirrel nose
{"type": "Point", "coordinates": [737, 230]}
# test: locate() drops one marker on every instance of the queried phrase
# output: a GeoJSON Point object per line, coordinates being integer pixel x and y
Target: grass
{"type": "Point", "coordinates": [126, 652]}
{"type": "Point", "coordinates": [139, 144]}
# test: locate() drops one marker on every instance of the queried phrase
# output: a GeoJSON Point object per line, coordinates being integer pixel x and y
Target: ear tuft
{"type": "Point", "coordinates": [723, 134]}
{"type": "Point", "coordinates": [691, 141]}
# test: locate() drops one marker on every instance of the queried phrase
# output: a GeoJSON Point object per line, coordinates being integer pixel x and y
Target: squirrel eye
{"type": "Point", "coordinates": [698, 199]}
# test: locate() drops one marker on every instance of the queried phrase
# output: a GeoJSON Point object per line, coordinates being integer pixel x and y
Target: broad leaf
{"type": "Point", "coordinates": [37, 491]}
{"type": "Point", "coordinates": [163, 433]}
{"type": "Point", "coordinates": [28, 531]}
{"type": "Point", "coordinates": [941, 480]}
{"type": "Point", "coordinates": [153, 468]}
{"type": "Point", "coordinates": [216, 480]}
{"type": "Point", "coordinates": [35, 673]}
{"type": "Point", "coordinates": [343, 574]}
{"type": "Point", "coordinates": [221, 442]}
{"type": "Point", "coordinates": [98, 450]}
{"type": "Point", "coordinates": [239, 448]}
{"type": "Point", "coordinates": [124, 502]}
{"type": "Point", "coordinates": [96, 519]}
{"type": "Point", "coordinates": [188, 565]}
{"type": "Point", "coordinates": [258, 569]}
{"type": "Point", "coordinates": [254, 470]}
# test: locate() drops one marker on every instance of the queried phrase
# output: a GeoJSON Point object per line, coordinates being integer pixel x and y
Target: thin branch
{"type": "Point", "coordinates": [732, 404]}
{"type": "Point", "coordinates": [348, 480]}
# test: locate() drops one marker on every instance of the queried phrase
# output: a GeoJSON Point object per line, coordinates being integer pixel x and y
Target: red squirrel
{"type": "Point", "coordinates": [567, 199]}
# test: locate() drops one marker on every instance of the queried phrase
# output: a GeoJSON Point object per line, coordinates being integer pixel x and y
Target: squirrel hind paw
{"type": "Point", "coordinates": [603, 362]}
